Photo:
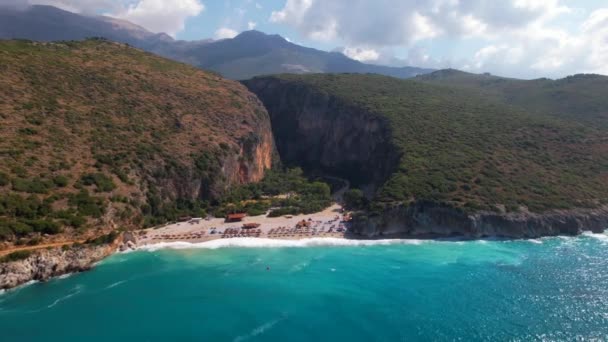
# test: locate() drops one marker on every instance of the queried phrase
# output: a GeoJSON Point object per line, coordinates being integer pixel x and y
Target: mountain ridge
{"type": "Point", "coordinates": [249, 54]}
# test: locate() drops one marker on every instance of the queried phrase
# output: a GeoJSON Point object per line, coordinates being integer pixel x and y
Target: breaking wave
{"type": "Point", "coordinates": [599, 236]}
{"type": "Point", "coordinates": [273, 243]}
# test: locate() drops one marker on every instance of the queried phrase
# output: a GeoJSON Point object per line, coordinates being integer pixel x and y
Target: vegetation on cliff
{"type": "Point", "coordinates": [579, 97]}
{"type": "Point", "coordinates": [471, 151]}
{"type": "Point", "coordinates": [99, 134]}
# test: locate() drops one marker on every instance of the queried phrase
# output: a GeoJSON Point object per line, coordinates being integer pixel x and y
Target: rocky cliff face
{"type": "Point", "coordinates": [322, 133]}
{"type": "Point", "coordinates": [245, 162]}
{"type": "Point", "coordinates": [46, 264]}
{"type": "Point", "coordinates": [425, 219]}
{"type": "Point", "coordinates": [254, 157]}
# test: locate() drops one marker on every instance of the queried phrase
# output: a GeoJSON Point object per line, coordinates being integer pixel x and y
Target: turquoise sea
{"type": "Point", "coordinates": [547, 289]}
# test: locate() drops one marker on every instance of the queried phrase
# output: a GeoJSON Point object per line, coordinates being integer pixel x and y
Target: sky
{"type": "Point", "coordinates": [513, 38]}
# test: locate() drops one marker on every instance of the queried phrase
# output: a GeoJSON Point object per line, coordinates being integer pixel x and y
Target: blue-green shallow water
{"type": "Point", "coordinates": [480, 290]}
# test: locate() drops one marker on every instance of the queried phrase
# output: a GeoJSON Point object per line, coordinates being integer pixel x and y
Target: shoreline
{"type": "Point", "coordinates": [330, 227]}
{"type": "Point", "coordinates": [255, 242]}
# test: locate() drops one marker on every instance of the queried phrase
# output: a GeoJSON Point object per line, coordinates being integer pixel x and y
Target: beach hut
{"type": "Point", "coordinates": [250, 225]}
{"type": "Point", "coordinates": [236, 217]}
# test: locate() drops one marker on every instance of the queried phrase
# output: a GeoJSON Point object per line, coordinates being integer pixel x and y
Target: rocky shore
{"type": "Point", "coordinates": [427, 219]}
{"type": "Point", "coordinates": [45, 264]}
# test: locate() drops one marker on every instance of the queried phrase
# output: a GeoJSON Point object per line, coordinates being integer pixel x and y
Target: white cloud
{"type": "Point", "coordinates": [388, 22]}
{"type": "Point", "coordinates": [251, 25]}
{"type": "Point", "coordinates": [521, 38]}
{"type": "Point", "coordinates": [155, 15]}
{"type": "Point", "coordinates": [161, 16]}
{"type": "Point", "coordinates": [294, 11]}
{"type": "Point", "coordinates": [361, 54]}
{"type": "Point", "coordinates": [549, 52]}
{"type": "Point", "coordinates": [224, 33]}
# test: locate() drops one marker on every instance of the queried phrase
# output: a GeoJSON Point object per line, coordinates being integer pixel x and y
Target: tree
{"type": "Point", "coordinates": [354, 199]}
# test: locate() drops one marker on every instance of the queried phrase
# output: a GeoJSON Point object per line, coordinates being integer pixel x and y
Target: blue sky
{"type": "Point", "coordinates": [518, 38]}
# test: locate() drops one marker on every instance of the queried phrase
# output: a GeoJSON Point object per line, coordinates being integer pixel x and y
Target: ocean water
{"type": "Point", "coordinates": [547, 289]}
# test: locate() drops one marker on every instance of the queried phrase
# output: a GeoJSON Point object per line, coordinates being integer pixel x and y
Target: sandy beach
{"type": "Point", "coordinates": [327, 223]}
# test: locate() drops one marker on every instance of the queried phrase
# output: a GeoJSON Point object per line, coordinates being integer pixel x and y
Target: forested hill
{"type": "Point", "coordinates": [579, 97]}
{"type": "Point", "coordinates": [97, 134]}
{"type": "Point", "coordinates": [452, 144]}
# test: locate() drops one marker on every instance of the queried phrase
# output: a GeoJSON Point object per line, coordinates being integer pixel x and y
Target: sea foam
{"type": "Point", "coordinates": [274, 243]}
{"type": "Point", "coordinates": [601, 236]}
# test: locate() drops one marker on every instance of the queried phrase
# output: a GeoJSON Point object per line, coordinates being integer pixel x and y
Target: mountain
{"type": "Point", "coordinates": [47, 23]}
{"type": "Point", "coordinates": [579, 97]}
{"type": "Point", "coordinates": [99, 135]}
{"type": "Point", "coordinates": [249, 54]}
{"type": "Point", "coordinates": [446, 150]}
{"type": "Point", "coordinates": [254, 53]}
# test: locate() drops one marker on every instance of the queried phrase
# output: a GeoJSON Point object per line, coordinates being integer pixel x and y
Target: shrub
{"type": "Point", "coordinates": [354, 199]}
{"type": "Point", "coordinates": [28, 131]}
{"type": "Point", "coordinates": [86, 204]}
{"type": "Point", "coordinates": [60, 181]}
{"type": "Point", "coordinates": [16, 256]}
{"type": "Point", "coordinates": [104, 239]}
{"type": "Point", "coordinates": [34, 241]}
{"type": "Point", "coordinates": [36, 185]}
{"type": "Point", "coordinates": [100, 180]}
{"type": "Point", "coordinates": [44, 226]}
{"type": "Point", "coordinates": [20, 228]}
{"type": "Point", "coordinates": [4, 179]}
{"type": "Point", "coordinates": [77, 221]}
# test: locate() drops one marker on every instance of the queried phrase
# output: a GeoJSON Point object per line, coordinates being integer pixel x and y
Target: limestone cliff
{"type": "Point", "coordinates": [320, 132]}
{"type": "Point", "coordinates": [426, 219]}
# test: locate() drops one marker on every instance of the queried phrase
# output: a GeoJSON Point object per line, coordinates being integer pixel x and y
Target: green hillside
{"type": "Point", "coordinates": [580, 97]}
{"type": "Point", "coordinates": [465, 148]}
{"type": "Point", "coordinates": [96, 134]}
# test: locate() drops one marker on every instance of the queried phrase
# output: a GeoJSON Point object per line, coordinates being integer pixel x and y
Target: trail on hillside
{"type": "Point", "coordinates": [45, 245]}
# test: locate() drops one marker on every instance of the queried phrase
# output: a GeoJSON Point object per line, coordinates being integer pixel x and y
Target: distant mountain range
{"type": "Point", "coordinates": [249, 54]}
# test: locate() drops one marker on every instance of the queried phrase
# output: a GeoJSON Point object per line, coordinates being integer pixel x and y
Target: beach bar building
{"type": "Point", "coordinates": [236, 217]}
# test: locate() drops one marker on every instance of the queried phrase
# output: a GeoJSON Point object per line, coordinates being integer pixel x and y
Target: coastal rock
{"type": "Point", "coordinates": [129, 242]}
{"type": "Point", "coordinates": [46, 264]}
{"type": "Point", "coordinates": [427, 219]}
